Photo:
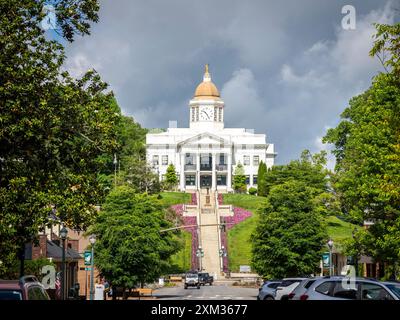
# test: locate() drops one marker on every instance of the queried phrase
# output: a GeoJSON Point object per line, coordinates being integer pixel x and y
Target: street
{"type": "Point", "coordinates": [217, 292]}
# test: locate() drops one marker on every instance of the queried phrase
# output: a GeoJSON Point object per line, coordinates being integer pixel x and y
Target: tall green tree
{"type": "Point", "coordinates": [53, 127]}
{"type": "Point", "coordinates": [239, 179]}
{"type": "Point", "coordinates": [261, 179]}
{"type": "Point", "coordinates": [310, 169]}
{"type": "Point", "coordinates": [170, 178]}
{"type": "Point", "coordinates": [130, 249]}
{"type": "Point", "coordinates": [129, 161]}
{"type": "Point", "coordinates": [367, 149]}
{"type": "Point", "coordinates": [290, 234]}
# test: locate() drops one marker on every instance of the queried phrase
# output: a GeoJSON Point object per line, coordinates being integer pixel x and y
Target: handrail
{"type": "Point", "coordinates": [221, 260]}
{"type": "Point", "coordinates": [200, 244]}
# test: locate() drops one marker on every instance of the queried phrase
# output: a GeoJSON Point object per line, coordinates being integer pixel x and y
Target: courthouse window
{"type": "Point", "coordinates": [254, 179]}
{"type": "Point", "coordinates": [221, 180]}
{"type": "Point", "coordinates": [247, 179]}
{"type": "Point", "coordinates": [155, 160]}
{"type": "Point", "coordinates": [164, 160]}
{"type": "Point", "coordinates": [256, 160]}
{"type": "Point", "coordinates": [246, 160]}
{"type": "Point", "coordinates": [190, 180]}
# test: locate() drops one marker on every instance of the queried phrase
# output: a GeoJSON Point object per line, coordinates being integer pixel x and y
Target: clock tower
{"type": "Point", "coordinates": [206, 107]}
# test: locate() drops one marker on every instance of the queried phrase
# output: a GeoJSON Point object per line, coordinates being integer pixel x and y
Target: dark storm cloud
{"type": "Point", "coordinates": [284, 68]}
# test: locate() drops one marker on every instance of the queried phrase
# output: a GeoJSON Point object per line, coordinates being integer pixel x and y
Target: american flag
{"type": "Point", "coordinates": [58, 286]}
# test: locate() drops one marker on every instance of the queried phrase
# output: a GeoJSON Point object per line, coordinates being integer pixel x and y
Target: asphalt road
{"type": "Point", "coordinates": [215, 292]}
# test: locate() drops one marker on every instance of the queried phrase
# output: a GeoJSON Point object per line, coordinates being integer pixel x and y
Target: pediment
{"type": "Point", "coordinates": [205, 138]}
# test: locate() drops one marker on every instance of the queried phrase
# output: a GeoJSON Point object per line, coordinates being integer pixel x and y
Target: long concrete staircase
{"type": "Point", "coordinates": [209, 235]}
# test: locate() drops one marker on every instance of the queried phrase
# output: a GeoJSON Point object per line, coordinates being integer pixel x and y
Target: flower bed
{"type": "Point", "coordinates": [189, 221]}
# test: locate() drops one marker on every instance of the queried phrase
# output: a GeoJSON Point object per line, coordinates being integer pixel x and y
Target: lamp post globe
{"type": "Point", "coordinates": [63, 236]}
{"type": "Point", "coordinates": [330, 245]}
{"type": "Point", "coordinates": [92, 240]}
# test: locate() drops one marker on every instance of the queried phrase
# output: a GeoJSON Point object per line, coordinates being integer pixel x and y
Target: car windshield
{"type": "Point", "coordinates": [395, 288]}
{"type": "Point", "coordinates": [10, 295]}
{"type": "Point", "coordinates": [191, 275]}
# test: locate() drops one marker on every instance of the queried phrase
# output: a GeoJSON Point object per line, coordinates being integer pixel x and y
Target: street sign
{"type": "Point", "coordinates": [325, 260]}
{"type": "Point", "coordinates": [88, 269]}
{"type": "Point", "coordinates": [244, 269]}
{"type": "Point", "coordinates": [88, 258]}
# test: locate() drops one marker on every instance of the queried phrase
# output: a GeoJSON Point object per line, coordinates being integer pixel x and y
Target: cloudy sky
{"type": "Point", "coordinates": [285, 68]}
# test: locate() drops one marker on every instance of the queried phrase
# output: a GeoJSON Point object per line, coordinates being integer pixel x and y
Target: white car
{"type": "Point", "coordinates": [287, 286]}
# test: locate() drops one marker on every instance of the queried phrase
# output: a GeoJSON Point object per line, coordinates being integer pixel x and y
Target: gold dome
{"type": "Point", "coordinates": [206, 89]}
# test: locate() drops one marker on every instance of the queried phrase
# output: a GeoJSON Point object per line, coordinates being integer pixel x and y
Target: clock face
{"type": "Point", "coordinates": [207, 113]}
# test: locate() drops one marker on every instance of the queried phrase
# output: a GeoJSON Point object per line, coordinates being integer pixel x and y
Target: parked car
{"type": "Point", "coordinates": [286, 287]}
{"type": "Point", "coordinates": [344, 288]}
{"type": "Point", "coordinates": [26, 288]}
{"type": "Point", "coordinates": [268, 289]}
{"type": "Point", "coordinates": [301, 288]}
{"type": "Point", "coordinates": [204, 278]}
{"type": "Point", "coordinates": [192, 280]}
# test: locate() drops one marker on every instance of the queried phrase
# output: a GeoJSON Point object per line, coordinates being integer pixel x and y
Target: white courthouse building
{"type": "Point", "coordinates": [206, 154]}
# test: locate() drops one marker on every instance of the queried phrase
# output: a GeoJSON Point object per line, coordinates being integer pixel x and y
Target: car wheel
{"type": "Point", "coordinates": [198, 287]}
{"type": "Point", "coordinates": [269, 298]}
{"type": "Point", "coordinates": [186, 287]}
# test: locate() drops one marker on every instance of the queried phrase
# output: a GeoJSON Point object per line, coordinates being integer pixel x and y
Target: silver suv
{"type": "Point", "coordinates": [268, 290]}
{"type": "Point", "coordinates": [287, 286]}
{"type": "Point", "coordinates": [345, 288]}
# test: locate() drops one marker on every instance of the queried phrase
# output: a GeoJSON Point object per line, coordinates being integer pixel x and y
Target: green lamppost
{"type": "Point", "coordinates": [63, 236]}
{"type": "Point", "coordinates": [92, 240]}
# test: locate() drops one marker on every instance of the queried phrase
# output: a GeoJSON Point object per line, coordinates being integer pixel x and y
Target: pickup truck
{"type": "Point", "coordinates": [192, 280]}
{"type": "Point", "coordinates": [205, 278]}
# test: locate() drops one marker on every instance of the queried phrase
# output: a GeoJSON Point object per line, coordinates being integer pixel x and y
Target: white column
{"type": "Point", "coordinates": [198, 171]}
{"type": "Point", "coordinates": [214, 177]}
{"type": "Point", "coordinates": [182, 173]}
{"type": "Point", "coordinates": [229, 177]}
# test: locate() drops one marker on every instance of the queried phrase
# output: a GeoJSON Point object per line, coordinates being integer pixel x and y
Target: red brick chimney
{"type": "Point", "coordinates": [40, 251]}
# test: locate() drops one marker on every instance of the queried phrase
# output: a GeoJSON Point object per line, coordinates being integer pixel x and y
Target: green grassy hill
{"type": "Point", "coordinates": [171, 198]}
{"type": "Point", "coordinates": [239, 243]}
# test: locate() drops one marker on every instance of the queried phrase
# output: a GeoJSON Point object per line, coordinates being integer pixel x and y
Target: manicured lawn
{"type": "Point", "coordinates": [244, 201]}
{"type": "Point", "coordinates": [339, 230]}
{"type": "Point", "coordinates": [181, 260]}
{"type": "Point", "coordinates": [171, 198]}
{"type": "Point", "coordinates": [239, 242]}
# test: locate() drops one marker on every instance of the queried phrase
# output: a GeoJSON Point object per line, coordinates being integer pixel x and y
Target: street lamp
{"type": "Point", "coordinates": [330, 245]}
{"type": "Point", "coordinates": [92, 240]}
{"type": "Point", "coordinates": [200, 254]}
{"type": "Point", "coordinates": [63, 236]}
